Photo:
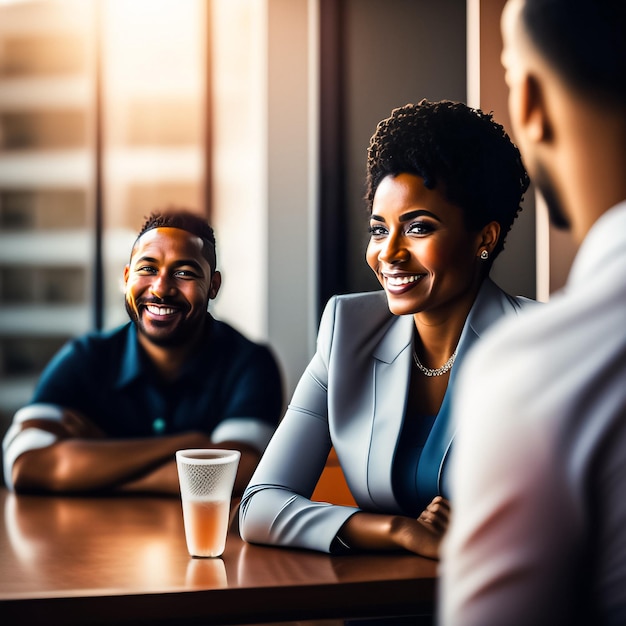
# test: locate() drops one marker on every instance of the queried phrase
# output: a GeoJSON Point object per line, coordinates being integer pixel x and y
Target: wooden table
{"type": "Point", "coordinates": [123, 560]}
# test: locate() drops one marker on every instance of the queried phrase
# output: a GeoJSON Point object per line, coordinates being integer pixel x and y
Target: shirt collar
{"type": "Point", "coordinates": [603, 246]}
{"type": "Point", "coordinates": [399, 332]}
{"type": "Point", "coordinates": [134, 364]}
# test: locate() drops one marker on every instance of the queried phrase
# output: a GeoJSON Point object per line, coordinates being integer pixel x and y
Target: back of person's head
{"type": "Point", "coordinates": [459, 150]}
{"type": "Point", "coordinates": [187, 220]}
{"type": "Point", "coordinates": [584, 41]}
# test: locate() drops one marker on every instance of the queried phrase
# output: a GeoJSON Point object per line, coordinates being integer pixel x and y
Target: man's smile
{"type": "Point", "coordinates": [160, 310]}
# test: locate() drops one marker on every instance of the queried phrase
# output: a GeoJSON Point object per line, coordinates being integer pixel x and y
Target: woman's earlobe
{"type": "Point", "coordinates": [488, 240]}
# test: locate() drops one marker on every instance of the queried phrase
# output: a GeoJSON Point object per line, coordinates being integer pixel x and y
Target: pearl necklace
{"type": "Point", "coordinates": [440, 371]}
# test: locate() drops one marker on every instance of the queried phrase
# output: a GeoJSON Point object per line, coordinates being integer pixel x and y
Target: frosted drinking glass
{"type": "Point", "coordinates": [207, 478]}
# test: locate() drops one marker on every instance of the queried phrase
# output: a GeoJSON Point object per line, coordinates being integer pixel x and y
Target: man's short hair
{"type": "Point", "coordinates": [584, 40]}
{"type": "Point", "coordinates": [184, 219]}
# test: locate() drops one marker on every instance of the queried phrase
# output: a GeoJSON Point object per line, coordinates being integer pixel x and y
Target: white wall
{"type": "Point", "coordinates": [264, 172]}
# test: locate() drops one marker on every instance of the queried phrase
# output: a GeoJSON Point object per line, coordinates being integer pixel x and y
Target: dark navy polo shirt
{"type": "Point", "coordinates": [109, 378]}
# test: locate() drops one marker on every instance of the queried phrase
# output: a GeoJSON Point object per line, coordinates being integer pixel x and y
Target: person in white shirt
{"type": "Point", "coordinates": [538, 479]}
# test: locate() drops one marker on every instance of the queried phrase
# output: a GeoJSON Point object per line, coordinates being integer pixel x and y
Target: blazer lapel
{"type": "Point", "coordinates": [385, 379]}
{"type": "Point", "coordinates": [490, 305]}
{"type": "Point", "coordinates": [392, 372]}
{"type": "Point", "coordinates": [392, 368]}
{"type": "Point", "coordinates": [439, 442]}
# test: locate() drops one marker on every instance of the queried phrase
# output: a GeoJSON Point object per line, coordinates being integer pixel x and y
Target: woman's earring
{"type": "Point", "coordinates": [484, 255]}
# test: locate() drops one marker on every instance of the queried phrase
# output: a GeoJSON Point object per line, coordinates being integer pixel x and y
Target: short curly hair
{"type": "Point", "coordinates": [460, 150]}
{"type": "Point", "coordinates": [184, 219]}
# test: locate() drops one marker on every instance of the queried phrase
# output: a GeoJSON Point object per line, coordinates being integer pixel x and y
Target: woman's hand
{"type": "Point", "coordinates": [436, 516]}
{"type": "Point", "coordinates": [371, 531]}
{"type": "Point", "coordinates": [423, 536]}
{"type": "Point", "coordinates": [434, 519]}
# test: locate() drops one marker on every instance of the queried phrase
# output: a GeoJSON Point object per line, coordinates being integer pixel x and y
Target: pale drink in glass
{"type": "Point", "coordinates": [206, 525]}
{"type": "Point", "coordinates": [207, 478]}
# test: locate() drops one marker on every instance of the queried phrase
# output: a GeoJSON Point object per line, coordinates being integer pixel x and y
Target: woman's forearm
{"type": "Point", "coordinates": [371, 531]}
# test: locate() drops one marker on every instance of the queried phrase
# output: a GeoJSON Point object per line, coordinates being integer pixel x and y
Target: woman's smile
{"type": "Point", "coordinates": [399, 283]}
{"type": "Point", "coordinates": [420, 249]}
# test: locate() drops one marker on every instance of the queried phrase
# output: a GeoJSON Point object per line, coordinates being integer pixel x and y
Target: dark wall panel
{"type": "Point", "coordinates": [387, 54]}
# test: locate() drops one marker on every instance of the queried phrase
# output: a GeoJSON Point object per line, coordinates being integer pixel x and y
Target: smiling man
{"type": "Point", "coordinates": [111, 408]}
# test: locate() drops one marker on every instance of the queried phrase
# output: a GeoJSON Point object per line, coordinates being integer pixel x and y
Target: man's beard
{"type": "Point", "coordinates": [557, 215]}
{"type": "Point", "coordinates": [179, 336]}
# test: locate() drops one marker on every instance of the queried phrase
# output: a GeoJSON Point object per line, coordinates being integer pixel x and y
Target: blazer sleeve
{"type": "Point", "coordinates": [276, 508]}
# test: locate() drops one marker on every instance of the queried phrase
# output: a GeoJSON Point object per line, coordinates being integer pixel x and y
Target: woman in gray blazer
{"type": "Point", "coordinates": [444, 185]}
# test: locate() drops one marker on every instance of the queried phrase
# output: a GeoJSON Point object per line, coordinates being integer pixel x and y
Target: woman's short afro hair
{"type": "Point", "coordinates": [459, 150]}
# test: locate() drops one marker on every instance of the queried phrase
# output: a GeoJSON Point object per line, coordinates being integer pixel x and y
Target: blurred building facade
{"type": "Point", "coordinates": [101, 121]}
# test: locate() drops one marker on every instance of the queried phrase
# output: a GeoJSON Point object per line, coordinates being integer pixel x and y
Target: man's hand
{"type": "Point", "coordinates": [78, 426]}
{"type": "Point", "coordinates": [72, 424]}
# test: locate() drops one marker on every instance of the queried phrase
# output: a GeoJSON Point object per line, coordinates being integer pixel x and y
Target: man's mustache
{"type": "Point", "coordinates": [162, 301]}
{"type": "Point", "coordinates": [156, 300]}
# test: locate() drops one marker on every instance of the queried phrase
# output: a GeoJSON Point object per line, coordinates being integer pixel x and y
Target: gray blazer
{"type": "Point", "coordinates": [353, 396]}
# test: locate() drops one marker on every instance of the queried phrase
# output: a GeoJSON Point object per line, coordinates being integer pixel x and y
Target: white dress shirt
{"type": "Point", "coordinates": [538, 479]}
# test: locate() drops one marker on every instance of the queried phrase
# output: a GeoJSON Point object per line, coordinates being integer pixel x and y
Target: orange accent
{"type": "Point", "coordinates": [332, 486]}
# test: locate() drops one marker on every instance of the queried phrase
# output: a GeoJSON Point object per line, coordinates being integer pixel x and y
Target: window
{"type": "Point", "coordinates": [102, 120]}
